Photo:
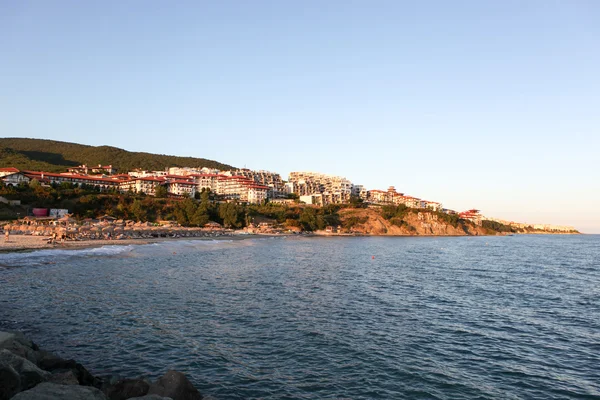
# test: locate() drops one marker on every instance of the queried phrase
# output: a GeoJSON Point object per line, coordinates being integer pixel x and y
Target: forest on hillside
{"type": "Point", "coordinates": [56, 156]}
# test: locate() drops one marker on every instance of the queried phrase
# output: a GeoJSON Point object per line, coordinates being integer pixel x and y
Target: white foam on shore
{"type": "Point", "coordinates": [51, 256]}
{"type": "Point", "coordinates": [167, 247]}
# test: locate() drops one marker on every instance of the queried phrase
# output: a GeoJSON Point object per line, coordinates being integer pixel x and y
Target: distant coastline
{"type": "Point", "coordinates": [26, 243]}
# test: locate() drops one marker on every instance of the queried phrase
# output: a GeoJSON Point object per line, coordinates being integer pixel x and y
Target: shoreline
{"type": "Point", "coordinates": [28, 243]}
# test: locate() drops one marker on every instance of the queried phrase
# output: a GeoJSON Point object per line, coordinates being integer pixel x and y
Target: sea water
{"type": "Point", "coordinates": [513, 317]}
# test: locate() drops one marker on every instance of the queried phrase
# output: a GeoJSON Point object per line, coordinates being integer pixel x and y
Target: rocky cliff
{"type": "Point", "coordinates": [414, 223]}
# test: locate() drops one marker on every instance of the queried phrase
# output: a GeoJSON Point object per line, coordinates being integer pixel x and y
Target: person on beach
{"type": "Point", "coordinates": [53, 238]}
{"type": "Point", "coordinates": [62, 239]}
{"type": "Point", "coordinates": [6, 234]}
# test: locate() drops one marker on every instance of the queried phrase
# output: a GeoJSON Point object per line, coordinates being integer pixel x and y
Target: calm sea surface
{"type": "Point", "coordinates": [312, 318]}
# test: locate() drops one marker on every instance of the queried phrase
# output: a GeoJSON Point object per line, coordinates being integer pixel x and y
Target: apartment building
{"type": "Point", "coordinates": [14, 178]}
{"type": "Point", "coordinates": [138, 173]}
{"type": "Point", "coordinates": [8, 171]}
{"type": "Point", "coordinates": [472, 215]}
{"type": "Point", "coordinates": [145, 185]}
{"type": "Point", "coordinates": [257, 193]}
{"type": "Point", "coordinates": [181, 187]}
{"type": "Point", "coordinates": [334, 189]}
{"type": "Point", "coordinates": [97, 181]}
{"type": "Point", "coordinates": [270, 179]}
{"type": "Point", "coordinates": [104, 169]}
{"type": "Point", "coordinates": [205, 181]}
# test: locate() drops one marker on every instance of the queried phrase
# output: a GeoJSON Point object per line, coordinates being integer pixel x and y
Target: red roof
{"type": "Point", "coordinates": [181, 182]}
{"type": "Point", "coordinates": [150, 179]}
{"type": "Point", "coordinates": [9, 169]}
{"type": "Point", "coordinates": [72, 176]}
{"type": "Point", "coordinates": [205, 175]}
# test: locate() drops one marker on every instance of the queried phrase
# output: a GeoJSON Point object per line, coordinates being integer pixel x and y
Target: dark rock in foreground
{"type": "Point", "coordinates": [18, 374]}
{"type": "Point", "coordinates": [127, 389]}
{"type": "Point", "coordinates": [29, 373]}
{"type": "Point", "coordinates": [175, 385]}
{"type": "Point", "coordinates": [54, 391]}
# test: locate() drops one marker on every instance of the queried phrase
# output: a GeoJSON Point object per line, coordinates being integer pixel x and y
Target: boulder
{"type": "Point", "coordinates": [64, 378]}
{"type": "Point", "coordinates": [29, 374]}
{"type": "Point", "coordinates": [126, 389]}
{"type": "Point", "coordinates": [18, 344]}
{"type": "Point", "coordinates": [175, 385]}
{"type": "Point", "coordinates": [16, 336]}
{"type": "Point", "coordinates": [10, 382]}
{"type": "Point", "coordinates": [53, 363]}
{"type": "Point", "coordinates": [54, 391]}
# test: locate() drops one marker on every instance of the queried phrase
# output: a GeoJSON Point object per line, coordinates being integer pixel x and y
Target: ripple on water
{"type": "Point", "coordinates": [304, 318]}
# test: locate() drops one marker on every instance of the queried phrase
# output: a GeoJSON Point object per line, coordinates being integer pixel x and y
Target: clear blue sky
{"type": "Point", "coordinates": [486, 104]}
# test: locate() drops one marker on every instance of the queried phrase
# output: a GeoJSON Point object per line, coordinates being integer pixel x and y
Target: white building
{"type": "Point", "coordinates": [257, 194]}
{"type": "Point", "coordinates": [8, 171]}
{"type": "Point", "coordinates": [181, 187]}
{"type": "Point", "coordinates": [334, 189]}
{"type": "Point", "coordinates": [145, 185]}
{"type": "Point", "coordinates": [272, 180]}
{"type": "Point", "coordinates": [312, 199]}
{"type": "Point", "coordinates": [15, 178]}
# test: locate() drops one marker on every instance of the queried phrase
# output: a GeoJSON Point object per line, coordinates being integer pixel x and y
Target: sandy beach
{"type": "Point", "coordinates": [27, 242]}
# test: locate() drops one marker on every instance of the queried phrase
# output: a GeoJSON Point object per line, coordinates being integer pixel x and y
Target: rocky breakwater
{"type": "Point", "coordinates": [118, 229]}
{"type": "Point", "coordinates": [30, 373]}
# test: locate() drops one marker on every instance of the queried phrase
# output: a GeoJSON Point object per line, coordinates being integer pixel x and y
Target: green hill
{"type": "Point", "coordinates": [55, 156]}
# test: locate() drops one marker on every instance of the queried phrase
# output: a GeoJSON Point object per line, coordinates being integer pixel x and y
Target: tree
{"type": "Point", "coordinates": [200, 217]}
{"type": "Point", "coordinates": [160, 192]}
{"type": "Point", "coordinates": [229, 213]}
{"type": "Point", "coordinates": [138, 210]}
{"type": "Point", "coordinates": [34, 183]}
{"type": "Point", "coordinates": [308, 219]}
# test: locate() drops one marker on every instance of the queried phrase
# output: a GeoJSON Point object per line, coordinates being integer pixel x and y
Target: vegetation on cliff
{"type": "Point", "coordinates": [55, 156]}
{"type": "Point", "coordinates": [354, 218]}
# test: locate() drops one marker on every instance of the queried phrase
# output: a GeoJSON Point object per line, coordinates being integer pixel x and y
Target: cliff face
{"type": "Point", "coordinates": [423, 223]}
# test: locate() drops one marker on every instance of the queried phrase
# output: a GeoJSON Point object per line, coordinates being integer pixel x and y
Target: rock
{"type": "Point", "coordinates": [16, 336]}
{"type": "Point", "coordinates": [29, 374]}
{"type": "Point", "coordinates": [64, 378]}
{"type": "Point", "coordinates": [10, 382]}
{"type": "Point", "coordinates": [18, 344]}
{"type": "Point", "coordinates": [54, 391]}
{"type": "Point", "coordinates": [150, 397]}
{"type": "Point", "coordinates": [53, 363]}
{"type": "Point", "coordinates": [127, 388]}
{"type": "Point", "coordinates": [175, 385]}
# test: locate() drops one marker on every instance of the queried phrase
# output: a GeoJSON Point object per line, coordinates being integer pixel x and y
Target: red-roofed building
{"type": "Point", "coordinates": [75, 179]}
{"type": "Point", "coordinates": [8, 171]}
{"type": "Point", "coordinates": [104, 169]}
{"type": "Point", "coordinates": [15, 178]}
{"type": "Point", "coordinates": [257, 193]}
{"type": "Point", "coordinates": [181, 187]}
{"type": "Point", "coordinates": [472, 215]}
{"type": "Point", "coordinates": [145, 185]}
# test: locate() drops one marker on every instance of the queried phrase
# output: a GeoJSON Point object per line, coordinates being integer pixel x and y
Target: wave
{"type": "Point", "coordinates": [51, 256]}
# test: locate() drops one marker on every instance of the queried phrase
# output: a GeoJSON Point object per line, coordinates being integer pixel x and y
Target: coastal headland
{"type": "Point", "coordinates": [31, 233]}
{"type": "Point", "coordinates": [198, 193]}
